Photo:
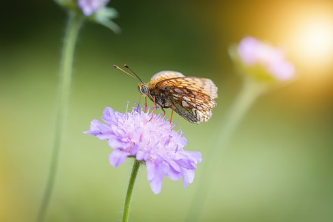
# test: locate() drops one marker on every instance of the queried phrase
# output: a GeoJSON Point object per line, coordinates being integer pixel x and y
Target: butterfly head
{"type": "Point", "coordinates": [143, 88]}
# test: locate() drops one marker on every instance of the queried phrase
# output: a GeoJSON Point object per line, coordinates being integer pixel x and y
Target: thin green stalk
{"type": "Point", "coordinates": [247, 96]}
{"type": "Point", "coordinates": [134, 173]}
{"type": "Point", "coordinates": [71, 34]}
{"type": "Point", "coordinates": [245, 99]}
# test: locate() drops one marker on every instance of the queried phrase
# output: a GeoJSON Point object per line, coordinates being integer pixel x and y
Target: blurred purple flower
{"type": "Point", "coordinates": [90, 6]}
{"type": "Point", "coordinates": [253, 52]}
{"type": "Point", "coordinates": [153, 142]}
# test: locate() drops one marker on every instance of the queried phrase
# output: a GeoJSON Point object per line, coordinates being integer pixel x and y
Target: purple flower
{"type": "Point", "coordinates": [253, 52]}
{"type": "Point", "coordinates": [153, 142]}
{"type": "Point", "coordinates": [90, 6]}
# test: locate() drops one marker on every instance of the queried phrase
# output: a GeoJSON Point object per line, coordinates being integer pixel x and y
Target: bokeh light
{"type": "Point", "coordinates": [311, 37]}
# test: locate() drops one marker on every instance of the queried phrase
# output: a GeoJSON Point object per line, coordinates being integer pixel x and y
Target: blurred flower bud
{"type": "Point", "coordinates": [93, 10]}
{"type": "Point", "coordinates": [261, 61]}
{"type": "Point", "coordinates": [90, 6]}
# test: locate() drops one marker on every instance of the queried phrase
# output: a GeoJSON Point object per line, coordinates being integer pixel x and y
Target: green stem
{"type": "Point", "coordinates": [72, 30]}
{"type": "Point", "coordinates": [134, 173]}
{"type": "Point", "coordinates": [247, 96]}
{"type": "Point", "coordinates": [250, 91]}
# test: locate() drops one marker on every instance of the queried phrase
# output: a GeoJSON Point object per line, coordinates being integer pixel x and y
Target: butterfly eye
{"type": "Point", "coordinates": [143, 89]}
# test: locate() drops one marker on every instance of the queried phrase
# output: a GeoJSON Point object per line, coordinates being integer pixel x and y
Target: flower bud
{"type": "Point", "coordinates": [261, 62]}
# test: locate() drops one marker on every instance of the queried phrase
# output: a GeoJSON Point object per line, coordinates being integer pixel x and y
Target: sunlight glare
{"type": "Point", "coordinates": [316, 40]}
{"type": "Point", "coordinates": [312, 42]}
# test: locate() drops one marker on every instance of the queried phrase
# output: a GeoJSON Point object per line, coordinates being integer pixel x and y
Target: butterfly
{"type": "Point", "coordinates": [191, 97]}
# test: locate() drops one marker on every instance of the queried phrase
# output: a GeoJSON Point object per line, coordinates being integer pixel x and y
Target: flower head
{"type": "Point", "coordinates": [94, 11]}
{"type": "Point", "coordinates": [153, 142]}
{"type": "Point", "coordinates": [262, 61]}
{"type": "Point", "coordinates": [90, 6]}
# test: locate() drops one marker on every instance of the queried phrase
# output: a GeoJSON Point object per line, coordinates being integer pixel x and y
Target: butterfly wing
{"type": "Point", "coordinates": [194, 110]}
{"type": "Point", "coordinates": [160, 76]}
{"type": "Point", "coordinates": [200, 85]}
{"type": "Point", "coordinates": [191, 97]}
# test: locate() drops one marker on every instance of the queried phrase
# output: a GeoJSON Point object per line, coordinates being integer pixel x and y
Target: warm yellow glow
{"type": "Point", "coordinates": [311, 38]}
{"type": "Point", "coordinates": [315, 40]}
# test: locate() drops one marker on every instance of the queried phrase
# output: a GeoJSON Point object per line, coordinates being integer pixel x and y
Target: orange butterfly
{"type": "Point", "coordinates": [191, 97]}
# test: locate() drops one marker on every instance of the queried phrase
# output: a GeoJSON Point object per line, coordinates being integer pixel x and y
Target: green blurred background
{"type": "Point", "coordinates": [279, 164]}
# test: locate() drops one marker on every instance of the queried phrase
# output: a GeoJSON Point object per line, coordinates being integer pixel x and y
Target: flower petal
{"type": "Point", "coordinates": [109, 115]}
{"type": "Point", "coordinates": [117, 157]}
{"type": "Point", "coordinates": [172, 173]}
{"type": "Point", "coordinates": [115, 142]}
{"type": "Point", "coordinates": [188, 177]}
{"type": "Point", "coordinates": [194, 155]}
{"type": "Point", "coordinates": [155, 176]}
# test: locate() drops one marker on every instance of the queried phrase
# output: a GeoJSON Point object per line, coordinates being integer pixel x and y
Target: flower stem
{"type": "Point", "coordinates": [250, 91]}
{"type": "Point", "coordinates": [71, 33]}
{"type": "Point", "coordinates": [247, 96]}
{"type": "Point", "coordinates": [134, 173]}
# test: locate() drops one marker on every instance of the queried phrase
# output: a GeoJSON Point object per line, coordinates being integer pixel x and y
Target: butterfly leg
{"type": "Point", "coordinates": [152, 114]}
{"type": "Point", "coordinates": [140, 99]}
{"type": "Point", "coordinates": [163, 111]}
{"type": "Point", "coordinates": [146, 104]}
{"type": "Point", "coordinates": [171, 115]}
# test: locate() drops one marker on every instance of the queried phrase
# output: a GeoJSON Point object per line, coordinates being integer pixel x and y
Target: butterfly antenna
{"type": "Point", "coordinates": [117, 67]}
{"type": "Point", "coordinates": [126, 66]}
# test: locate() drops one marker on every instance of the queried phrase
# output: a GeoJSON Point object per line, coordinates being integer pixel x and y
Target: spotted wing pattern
{"type": "Point", "coordinates": [165, 75]}
{"type": "Point", "coordinates": [191, 97]}
{"type": "Point", "coordinates": [201, 85]}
